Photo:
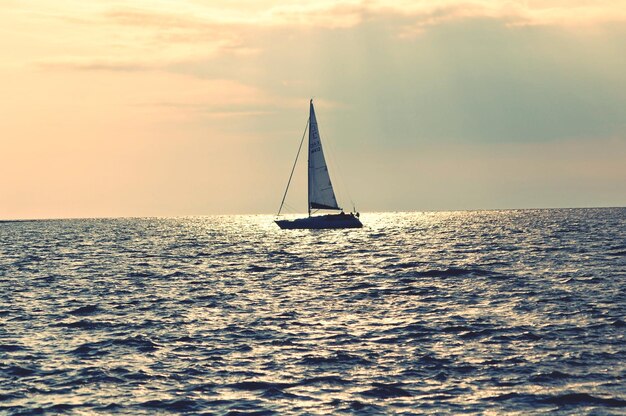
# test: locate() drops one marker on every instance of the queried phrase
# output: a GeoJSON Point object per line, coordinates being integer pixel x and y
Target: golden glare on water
{"type": "Point", "coordinates": [484, 312]}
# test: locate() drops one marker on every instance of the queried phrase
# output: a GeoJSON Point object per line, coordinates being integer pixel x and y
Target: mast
{"type": "Point", "coordinates": [309, 176]}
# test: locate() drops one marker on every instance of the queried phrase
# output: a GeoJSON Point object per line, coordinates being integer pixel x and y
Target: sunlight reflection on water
{"type": "Point", "coordinates": [457, 312]}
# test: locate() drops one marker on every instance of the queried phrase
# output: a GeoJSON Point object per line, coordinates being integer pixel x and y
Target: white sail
{"type": "Point", "coordinates": [321, 194]}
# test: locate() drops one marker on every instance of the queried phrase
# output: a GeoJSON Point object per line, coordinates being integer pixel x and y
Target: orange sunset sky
{"type": "Point", "coordinates": [141, 108]}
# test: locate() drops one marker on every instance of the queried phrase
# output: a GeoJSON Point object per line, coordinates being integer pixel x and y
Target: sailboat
{"type": "Point", "coordinates": [321, 193]}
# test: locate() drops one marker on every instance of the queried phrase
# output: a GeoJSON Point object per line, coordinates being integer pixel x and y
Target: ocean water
{"type": "Point", "coordinates": [416, 313]}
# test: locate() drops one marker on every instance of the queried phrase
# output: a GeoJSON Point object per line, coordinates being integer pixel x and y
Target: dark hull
{"type": "Point", "coordinates": [321, 222]}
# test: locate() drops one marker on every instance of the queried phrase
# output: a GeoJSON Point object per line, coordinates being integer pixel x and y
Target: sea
{"type": "Point", "coordinates": [473, 312]}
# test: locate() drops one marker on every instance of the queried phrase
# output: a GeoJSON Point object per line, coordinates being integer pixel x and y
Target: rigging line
{"type": "Point", "coordinates": [290, 208]}
{"type": "Point", "coordinates": [293, 168]}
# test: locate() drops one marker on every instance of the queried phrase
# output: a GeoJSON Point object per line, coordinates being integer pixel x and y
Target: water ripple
{"type": "Point", "coordinates": [427, 313]}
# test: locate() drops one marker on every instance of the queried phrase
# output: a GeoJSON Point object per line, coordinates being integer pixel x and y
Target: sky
{"type": "Point", "coordinates": [189, 107]}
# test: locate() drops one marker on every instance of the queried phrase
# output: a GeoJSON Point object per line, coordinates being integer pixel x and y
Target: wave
{"type": "Point", "coordinates": [20, 371]}
{"type": "Point", "coordinates": [566, 399]}
{"type": "Point", "coordinates": [11, 348]}
{"type": "Point", "coordinates": [175, 405]}
{"type": "Point", "coordinates": [259, 385]}
{"type": "Point", "coordinates": [386, 391]}
{"type": "Point", "coordinates": [549, 377]}
{"type": "Point", "coordinates": [87, 324]}
{"type": "Point", "coordinates": [454, 272]}
{"type": "Point", "coordinates": [333, 380]}
{"type": "Point", "coordinates": [255, 269]}
{"type": "Point", "coordinates": [362, 285]}
{"type": "Point", "coordinates": [358, 407]}
{"type": "Point", "coordinates": [405, 265]}
{"type": "Point", "coordinates": [337, 358]}
{"type": "Point", "coordinates": [137, 342]}
{"type": "Point", "coordinates": [141, 274]}
{"type": "Point", "coordinates": [583, 399]}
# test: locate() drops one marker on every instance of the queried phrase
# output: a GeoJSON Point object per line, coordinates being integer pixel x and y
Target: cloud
{"type": "Point", "coordinates": [471, 79]}
{"type": "Point", "coordinates": [227, 21]}
{"type": "Point", "coordinates": [474, 70]}
{"type": "Point", "coordinates": [132, 35]}
{"type": "Point", "coordinates": [207, 109]}
{"type": "Point", "coordinates": [95, 65]}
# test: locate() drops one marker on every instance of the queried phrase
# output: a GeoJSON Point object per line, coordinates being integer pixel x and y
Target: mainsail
{"type": "Point", "coordinates": [321, 194]}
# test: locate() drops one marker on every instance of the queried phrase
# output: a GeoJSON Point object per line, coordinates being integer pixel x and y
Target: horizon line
{"type": "Point", "coordinates": [9, 220]}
